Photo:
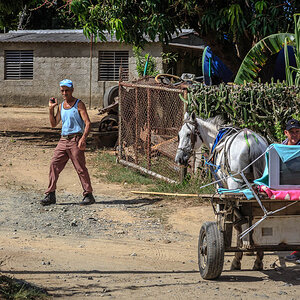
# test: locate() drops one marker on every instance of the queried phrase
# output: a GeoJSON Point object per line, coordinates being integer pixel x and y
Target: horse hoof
{"type": "Point", "coordinates": [235, 265]}
{"type": "Point", "coordinates": [258, 267]}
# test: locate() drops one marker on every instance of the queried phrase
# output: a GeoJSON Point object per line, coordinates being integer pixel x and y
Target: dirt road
{"type": "Point", "coordinates": [123, 247]}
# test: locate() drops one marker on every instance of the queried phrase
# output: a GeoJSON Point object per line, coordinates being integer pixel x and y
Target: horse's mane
{"type": "Point", "coordinates": [217, 121]}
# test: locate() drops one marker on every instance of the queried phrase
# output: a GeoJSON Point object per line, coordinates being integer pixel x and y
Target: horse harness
{"type": "Point", "coordinates": [227, 138]}
{"type": "Point", "coordinates": [194, 134]}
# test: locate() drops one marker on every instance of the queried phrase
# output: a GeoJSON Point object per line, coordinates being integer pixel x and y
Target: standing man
{"type": "Point", "coordinates": [292, 133]}
{"type": "Point", "coordinates": [75, 129]}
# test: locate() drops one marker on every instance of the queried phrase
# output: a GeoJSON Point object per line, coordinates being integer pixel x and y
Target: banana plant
{"type": "Point", "coordinates": [290, 70]}
{"type": "Point", "coordinates": [258, 55]}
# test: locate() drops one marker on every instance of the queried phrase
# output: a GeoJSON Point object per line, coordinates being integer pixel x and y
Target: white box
{"type": "Point", "coordinates": [275, 230]}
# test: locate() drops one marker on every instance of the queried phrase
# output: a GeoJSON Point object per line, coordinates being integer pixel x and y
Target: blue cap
{"type": "Point", "coordinates": [66, 82]}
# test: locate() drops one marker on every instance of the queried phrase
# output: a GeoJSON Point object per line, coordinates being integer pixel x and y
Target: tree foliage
{"type": "Point", "coordinates": [36, 14]}
{"type": "Point", "coordinates": [229, 27]}
{"type": "Point", "coordinates": [10, 10]}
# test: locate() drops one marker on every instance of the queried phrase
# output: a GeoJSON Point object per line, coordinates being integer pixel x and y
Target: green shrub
{"type": "Point", "coordinates": [11, 288]}
{"type": "Point", "coordinates": [264, 108]}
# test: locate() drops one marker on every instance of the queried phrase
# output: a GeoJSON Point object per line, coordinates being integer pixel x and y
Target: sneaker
{"type": "Point", "coordinates": [49, 199]}
{"type": "Point", "coordinates": [87, 199]}
{"type": "Point", "coordinates": [293, 257]}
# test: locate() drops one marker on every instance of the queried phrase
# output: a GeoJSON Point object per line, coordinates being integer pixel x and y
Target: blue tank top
{"type": "Point", "coordinates": [71, 120]}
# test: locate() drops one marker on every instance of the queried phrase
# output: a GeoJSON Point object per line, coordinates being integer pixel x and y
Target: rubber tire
{"type": "Point", "coordinates": [108, 119]}
{"type": "Point", "coordinates": [109, 95]}
{"type": "Point", "coordinates": [213, 267]}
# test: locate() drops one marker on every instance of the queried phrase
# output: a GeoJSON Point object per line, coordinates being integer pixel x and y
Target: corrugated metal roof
{"type": "Point", "coordinates": [56, 36]}
{"type": "Point", "coordinates": [44, 36]}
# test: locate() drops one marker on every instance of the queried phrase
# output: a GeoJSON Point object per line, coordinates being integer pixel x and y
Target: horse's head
{"type": "Point", "coordinates": [188, 137]}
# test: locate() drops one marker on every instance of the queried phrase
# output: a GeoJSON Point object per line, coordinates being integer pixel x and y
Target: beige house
{"type": "Point", "coordinates": [32, 62]}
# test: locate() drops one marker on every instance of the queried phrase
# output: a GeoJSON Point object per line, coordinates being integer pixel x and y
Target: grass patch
{"type": "Point", "coordinates": [190, 185]}
{"type": "Point", "coordinates": [15, 289]}
{"type": "Point", "coordinates": [111, 171]}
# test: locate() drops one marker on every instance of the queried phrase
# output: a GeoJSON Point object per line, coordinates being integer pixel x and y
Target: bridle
{"type": "Point", "coordinates": [194, 134]}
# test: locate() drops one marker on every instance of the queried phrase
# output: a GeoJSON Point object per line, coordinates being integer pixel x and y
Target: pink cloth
{"type": "Point", "coordinates": [280, 195]}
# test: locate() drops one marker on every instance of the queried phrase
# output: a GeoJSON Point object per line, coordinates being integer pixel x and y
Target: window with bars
{"type": "Point", "coordinates": [110, 63]}
{"type": "Point", "coordinates": [19, 64]}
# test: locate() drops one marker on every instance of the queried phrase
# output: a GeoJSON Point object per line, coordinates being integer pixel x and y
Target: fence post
{"type": "Point", "coordinates": [120, 122]}
{"type": "Point", "coordinates": [183, 170]}
{"type": "Point", "coordinates": [136, 125]}
{"type": "Point", "coordinates": [149, 129]}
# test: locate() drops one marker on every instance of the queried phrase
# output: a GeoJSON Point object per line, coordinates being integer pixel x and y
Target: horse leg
{"type": "Point", "coordinates": [258, 264]}
{"type": "Point", "coordinates": [236, 263]}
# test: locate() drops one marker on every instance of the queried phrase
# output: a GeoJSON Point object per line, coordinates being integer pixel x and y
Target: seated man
{"type": "Point", "coordinates": [292, 133]}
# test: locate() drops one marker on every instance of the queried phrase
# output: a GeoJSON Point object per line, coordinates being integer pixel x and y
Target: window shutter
{"type": "Point", "coordinates": [109, 64]}
{"type": "Point", "coordinates": [19, 64]}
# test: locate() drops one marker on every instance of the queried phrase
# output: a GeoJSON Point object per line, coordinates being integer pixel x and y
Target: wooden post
{"type": "Point", "coordinates": [136, 126]}
{"type": "Point", "coordinates": [120, 123]}
{"type": "Point", "coordinates": [183, 172]}
{"type": "Point", "coordinates": [91, 66]}
{"type": "Point", "coordinates": [144, 170]}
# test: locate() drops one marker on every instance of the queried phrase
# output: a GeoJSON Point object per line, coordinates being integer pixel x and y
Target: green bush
{"type": "Point", "coordinates": [264, 108]}
{"type": "Point", "coordinates": [141, 62]}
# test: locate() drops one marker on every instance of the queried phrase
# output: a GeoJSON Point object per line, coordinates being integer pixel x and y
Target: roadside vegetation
{"type": "Point", "coordinates": [11, 288]}
{"type": "Point", "coordinates": [262, 107]}
{"type": "Point", "coordinates": [112, 171]}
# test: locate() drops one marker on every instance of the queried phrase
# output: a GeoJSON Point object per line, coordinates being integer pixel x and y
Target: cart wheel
{"type": "Point", "coordinates": [109, 95]}
{"type": "Point", "coordinates": [210, 251]}
{"type": "Point", "coordinates": [109, 123]}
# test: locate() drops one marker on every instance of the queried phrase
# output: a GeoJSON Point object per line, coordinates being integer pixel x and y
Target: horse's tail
{"type": "Point", "coordinates": [257, 147]}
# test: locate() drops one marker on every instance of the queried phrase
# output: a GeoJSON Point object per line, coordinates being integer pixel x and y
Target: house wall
{"type": "Point", "coordinates": [56, 61]}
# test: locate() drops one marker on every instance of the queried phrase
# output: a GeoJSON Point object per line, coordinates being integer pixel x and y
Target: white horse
{"type": "Point", "coordinates": [234, 152]}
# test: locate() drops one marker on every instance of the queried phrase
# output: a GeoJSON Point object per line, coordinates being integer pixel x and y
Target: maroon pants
{"type": "Point", "coordinates": [65, 149]}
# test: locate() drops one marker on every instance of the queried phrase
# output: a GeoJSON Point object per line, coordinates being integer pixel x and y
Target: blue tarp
{"type": "Point", "coordinates": [247, 192]}
{"type": "Point", "coordinates": [279, 69]}
{"type": "Point", "coordinates": [213, 69]}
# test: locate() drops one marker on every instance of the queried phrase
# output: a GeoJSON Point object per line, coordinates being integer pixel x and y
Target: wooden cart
{"type": "Point", "coordinates": [277, 232]}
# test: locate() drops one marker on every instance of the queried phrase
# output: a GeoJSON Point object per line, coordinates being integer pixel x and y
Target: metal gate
{"type": "Point", "coordinates": [150, 116]}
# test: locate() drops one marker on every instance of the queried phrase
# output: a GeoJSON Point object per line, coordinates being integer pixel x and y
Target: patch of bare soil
{"type": "Point", "coordinates": [123, 247]}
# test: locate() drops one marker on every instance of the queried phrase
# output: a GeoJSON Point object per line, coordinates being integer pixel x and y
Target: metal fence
{"type": "Point", "coordinates": [150, 116]}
